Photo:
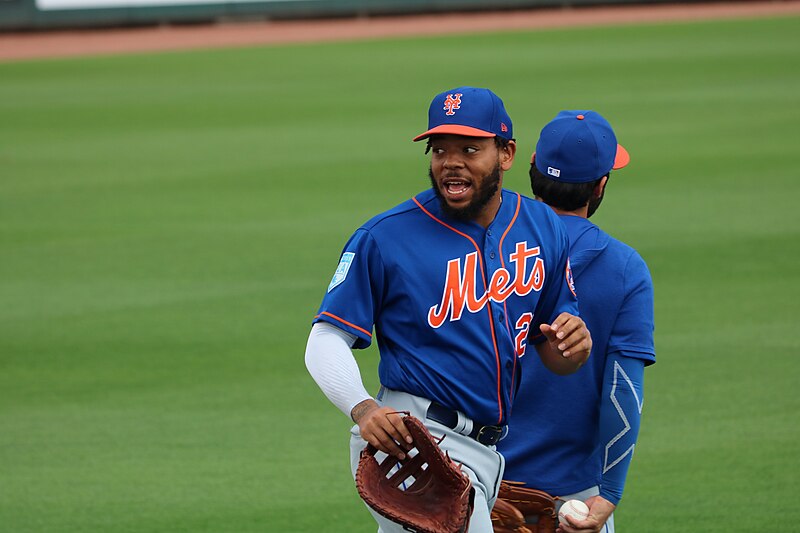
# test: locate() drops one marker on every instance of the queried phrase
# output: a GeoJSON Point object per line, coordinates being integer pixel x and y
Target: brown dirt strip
{"type": "Point", "coordinates": [52, 44]}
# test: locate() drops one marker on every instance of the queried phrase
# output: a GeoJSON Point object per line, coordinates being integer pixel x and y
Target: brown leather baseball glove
{"type": "Point", "coordinates": [507, 519]}
{"type": "Point", "coordinates": [426, 492]}
{"type": "Point", "coordinates": [536, 510]}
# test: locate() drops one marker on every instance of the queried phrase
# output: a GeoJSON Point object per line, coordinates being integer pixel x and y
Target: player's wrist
{"type": "Point", "coordinates": [612, 499]}
{"type": "Point", "coordinates": [363, 408]}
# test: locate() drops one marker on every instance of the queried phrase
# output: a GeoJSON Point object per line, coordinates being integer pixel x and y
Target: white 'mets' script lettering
{"type": "Point", "coordinates": [460, 286]}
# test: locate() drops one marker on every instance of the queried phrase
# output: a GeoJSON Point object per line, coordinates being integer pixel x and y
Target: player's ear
{"type": "Point", "coordinates": [600, 188]}
{"type": "Point", "coordinates": [507, 153]}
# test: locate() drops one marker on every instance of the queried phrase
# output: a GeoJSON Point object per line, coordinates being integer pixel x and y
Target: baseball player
{"type": "Point", "coordinates": [456, 282]}
{"type": "Point", "coordinates": [586, 455]}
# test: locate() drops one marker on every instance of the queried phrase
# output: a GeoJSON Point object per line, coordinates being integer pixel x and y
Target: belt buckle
{"type": "Point", "coordinates": [491, 433]}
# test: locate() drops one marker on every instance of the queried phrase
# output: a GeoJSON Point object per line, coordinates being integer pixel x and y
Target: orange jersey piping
{"type": "Point", "coordinates": [343, 321]}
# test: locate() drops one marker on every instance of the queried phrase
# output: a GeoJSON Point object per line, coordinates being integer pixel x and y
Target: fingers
{"type": "Point", "coordinates": [570, 336]}
{"type": "Point", "coordinates": [383, 427]}
{"type": "Point", "coordinates": [600, 510]}
{"type": "Point", "coordinates": [590, 525]}
{"type": "Point", "coordinates": [548, 332]}
{"type": "Point", "coordinates": [400, 432]}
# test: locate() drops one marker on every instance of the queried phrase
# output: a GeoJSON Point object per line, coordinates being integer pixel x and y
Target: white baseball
{"type": "Point", "coordinates": [575, 509]}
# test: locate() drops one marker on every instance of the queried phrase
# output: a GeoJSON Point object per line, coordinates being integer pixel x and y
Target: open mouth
{"type": "Point", "coordinates": [455, 187]}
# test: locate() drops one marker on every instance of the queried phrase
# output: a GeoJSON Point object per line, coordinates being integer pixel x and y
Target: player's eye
{"type": "Point", "coordinates": [470, 150]}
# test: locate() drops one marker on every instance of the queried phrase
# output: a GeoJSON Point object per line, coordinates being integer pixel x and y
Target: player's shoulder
{"type": "Point", "coordinates": [542, 214]}
{"type": "Point", "coordinates": [397, 214]}
{"type": "Point", "coordinates": [623, 250]}
{"type": "Point", "coordinates": [628, 257]}
{"type": "Point", "coordinates": [531, 204]}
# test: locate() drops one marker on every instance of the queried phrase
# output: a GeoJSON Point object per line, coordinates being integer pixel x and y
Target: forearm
{"type": "Point", "coordinates": [331, 363]}
{"type": "Point", "coordinates": [620, 416]}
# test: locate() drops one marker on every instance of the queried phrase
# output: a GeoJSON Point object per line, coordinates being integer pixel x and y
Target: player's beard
{"type": "Point", "coordinates": [483, 194]}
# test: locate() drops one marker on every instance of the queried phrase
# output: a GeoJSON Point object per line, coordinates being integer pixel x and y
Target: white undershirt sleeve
{"type": "Point", "coordinates": [331, 363]}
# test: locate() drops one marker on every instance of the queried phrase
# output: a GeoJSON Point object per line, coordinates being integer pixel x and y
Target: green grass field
{"type": "Point", "coordinates": [169, 224]}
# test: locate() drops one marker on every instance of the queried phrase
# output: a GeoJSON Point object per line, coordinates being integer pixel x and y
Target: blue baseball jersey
{"type": "Point", "coordinates": [564, 455]}
{"type": "Point", "coordinates": [452, 303]}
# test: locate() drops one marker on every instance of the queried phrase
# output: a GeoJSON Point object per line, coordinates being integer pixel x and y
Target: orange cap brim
{"type": "Point", "coordinates": [453, 129]}
{"type": "Point", "coordinates": [622, 159]}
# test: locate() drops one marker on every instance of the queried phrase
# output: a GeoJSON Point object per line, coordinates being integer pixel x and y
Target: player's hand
{"type": "Point", "coordinates": [599, 511]}
{"type": "Point", "coordinates": [569, 336]}
{"type": "Point", "coordinates": [382, 427]}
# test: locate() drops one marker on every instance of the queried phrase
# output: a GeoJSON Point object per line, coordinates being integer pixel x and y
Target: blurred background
{"type": "Point", "coordinates": [51, 14]}
{"type": "Point", "coordinates": [169, 223]}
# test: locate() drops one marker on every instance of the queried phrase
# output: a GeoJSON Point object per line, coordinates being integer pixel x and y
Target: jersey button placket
{"type": "Point", "coordinates": [488, 251]}
{"type": "Point", "coordinates": [492, 265]}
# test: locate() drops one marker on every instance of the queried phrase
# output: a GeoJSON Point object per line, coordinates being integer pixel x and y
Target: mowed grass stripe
{"type": "Point", "coordinates": [169, 223]}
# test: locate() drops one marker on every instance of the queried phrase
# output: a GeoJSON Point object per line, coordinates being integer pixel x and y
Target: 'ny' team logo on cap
{"type": "Point", "coordinates": [451, 103]}
{"type": "Point", "coordinates": [503, 127]}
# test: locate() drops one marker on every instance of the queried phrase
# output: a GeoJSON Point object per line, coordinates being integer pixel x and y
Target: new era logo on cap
{"type": "Point", "coordinates": [578, 147]}
{"type": "Point", "coordinates": [468, 111]}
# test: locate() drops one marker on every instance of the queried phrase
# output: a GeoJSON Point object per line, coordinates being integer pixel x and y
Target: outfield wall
{"type": "Point", "coordinates": [61, 14]}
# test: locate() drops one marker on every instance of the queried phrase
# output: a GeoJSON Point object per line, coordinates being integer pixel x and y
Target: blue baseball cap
{"type": "Point", "coordinates": [577, 147]}
{"type": "Point", "coordinates": [468, 111]}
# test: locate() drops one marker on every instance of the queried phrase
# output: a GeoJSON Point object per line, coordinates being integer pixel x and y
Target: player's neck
{"type": "Point", "coordinates": [490, 210]}
{"type": "Point", "coordinates": [583, 212]}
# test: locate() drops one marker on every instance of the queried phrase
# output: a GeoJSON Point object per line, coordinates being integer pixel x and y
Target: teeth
{"type": "Point", "coordinates": [456, 187]}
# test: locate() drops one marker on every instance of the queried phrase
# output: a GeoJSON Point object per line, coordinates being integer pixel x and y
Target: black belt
{"type": "Point", "coordinates": [486, 435]}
